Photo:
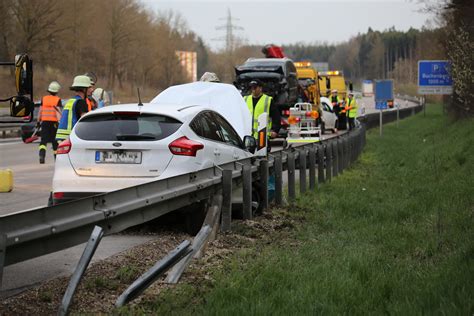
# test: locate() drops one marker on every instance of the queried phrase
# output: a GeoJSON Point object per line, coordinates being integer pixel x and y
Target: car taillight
{"type": "Point", "coordinates": [292, 120]}
{"type": "Point", "coordinates": [312, 114]}
{"type": "Point", "coordinates": [185, 147]}
{"type": "Point", "coordinates": [64, 147]}
{"type": "Point", "coordinates": [58, 195]}
{"type": "Point", "coordinates": [285, 112]}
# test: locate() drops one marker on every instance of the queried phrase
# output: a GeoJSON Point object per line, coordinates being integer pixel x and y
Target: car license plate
{"type": "Point", "coordinates": [120, 157]}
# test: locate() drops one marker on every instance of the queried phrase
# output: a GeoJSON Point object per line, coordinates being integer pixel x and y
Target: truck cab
{"type": "Point", "coordinates": [308, 79]}
{"type": "Point", "coordinates": [336, 81]}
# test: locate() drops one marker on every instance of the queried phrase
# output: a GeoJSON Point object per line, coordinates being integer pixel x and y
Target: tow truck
{"type": "Point", "coordinates": [302, 124]}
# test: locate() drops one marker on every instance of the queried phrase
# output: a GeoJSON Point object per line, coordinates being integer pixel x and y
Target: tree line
{"type": "Point", "coordinates": [128, 46]}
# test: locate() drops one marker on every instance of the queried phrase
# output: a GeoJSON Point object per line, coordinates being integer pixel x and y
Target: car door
{"type": "Point", "coordinates": [233, 147]}
{"type": "Point", "coordinates": [204, 126]}
{"type": "Point", "coordinates": [328, 117]}
{"type": "Point", "coordinates": [292, 82]}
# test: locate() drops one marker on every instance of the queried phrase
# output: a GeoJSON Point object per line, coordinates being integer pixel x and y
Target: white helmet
{"type": "Point", "coordinates": [209, 77]}
{"type": "Point", "coordinates": [81, 82]}
{"type": "Point", "coordinates": [54, 87]}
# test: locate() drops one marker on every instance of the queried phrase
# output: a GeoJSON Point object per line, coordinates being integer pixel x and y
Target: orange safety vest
{"type": "Point", "coordinates": [90, 104]}
{"type": "Point", "coordinates": [49, 109]}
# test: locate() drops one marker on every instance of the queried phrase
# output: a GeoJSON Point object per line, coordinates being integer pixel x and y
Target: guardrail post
{"type": "Point", "coordinates": [335, 156]}
{"type": "Point", "coordinates": [226, 199]}
{"type": "Point", "coordinates": [312, 168]}
{"type": "Point", "coordinates": [341, 155]}
{"type": "Point", "coordinates": [351, 148]}
{"type": "Point", "coordinates": [320, 164]}
{"type": "Point", "coordinates": [302, 154]}
{"type": "Point", "coordinates": [357, 144]}
{"type": "Point", "coordinates": [247, 191]}
{"type": "Point", "coordinates": [3, 247]}
{"type": "Point", "coordinates": [348, 140]}
{"type": "Point", "coordinates": [291, 176]}
{"type": "Point", "coordinates": [264, 183]}
{"type": "Point", "coordinates": [328, 154]}
{"type": "Point", "coordinates": [81, 267]}
{"type": "Point", "coordinates": [346, 153]}
{"type": "Point", "coordinates": [278, 167]}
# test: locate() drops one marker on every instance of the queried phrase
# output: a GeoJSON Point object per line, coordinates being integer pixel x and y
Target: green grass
{"type": "Point", "coordinates": [393, 234]}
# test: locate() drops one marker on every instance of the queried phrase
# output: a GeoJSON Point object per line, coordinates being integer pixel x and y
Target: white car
{"type": "Point", "coordinates": [328, 118]}
{"type": "Point", "coordinates": [126, 145]}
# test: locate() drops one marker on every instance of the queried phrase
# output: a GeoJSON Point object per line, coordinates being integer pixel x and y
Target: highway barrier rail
{"type": "Point", "coordinates": [36, 232]}
{"type": "Point", "coordinates": [10, 130]}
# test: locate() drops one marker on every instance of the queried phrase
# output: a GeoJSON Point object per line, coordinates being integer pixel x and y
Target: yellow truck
{"type": "Point", "coordinates": [308, 78]}
{"type": "Point", "coordinates": [330, 80]}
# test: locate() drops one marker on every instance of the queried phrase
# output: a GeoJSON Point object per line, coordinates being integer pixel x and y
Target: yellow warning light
{"type": "Point", "coordinates": [303, 64]}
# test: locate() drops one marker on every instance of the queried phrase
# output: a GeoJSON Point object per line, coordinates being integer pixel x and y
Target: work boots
{"type": "Point", "coordinates": [42, 154]}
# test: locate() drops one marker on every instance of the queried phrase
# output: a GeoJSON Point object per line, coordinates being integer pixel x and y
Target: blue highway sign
{"type": "Point", "coordinates": [434, 77]}
{"type": "Point", "coordinates": [383, 94]}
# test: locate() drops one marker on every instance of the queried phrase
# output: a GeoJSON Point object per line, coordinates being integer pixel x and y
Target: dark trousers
{"type": "Point", "coordinates": [48, 135]}
{"type": "Point", "coordinates": [342, 121]}
{"type": "Point", "coordinates": [351, 123]}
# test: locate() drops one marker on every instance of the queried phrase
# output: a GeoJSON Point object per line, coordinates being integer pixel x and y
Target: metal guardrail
{"type": "Point", "coordinates": [9, 130]}
{"type": "Point", "coordinates": [40, 231]}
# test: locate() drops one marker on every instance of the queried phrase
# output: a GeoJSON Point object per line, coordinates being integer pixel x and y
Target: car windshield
{"type": "Point", "coordinates": [130, 126]}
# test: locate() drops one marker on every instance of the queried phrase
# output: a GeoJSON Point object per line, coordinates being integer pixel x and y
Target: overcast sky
{"type": "Point", "coordinates": [286, 22]}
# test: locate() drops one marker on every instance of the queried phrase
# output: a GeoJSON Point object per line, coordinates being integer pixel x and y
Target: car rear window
{"type": "Point", "coordinates": [128, 126]}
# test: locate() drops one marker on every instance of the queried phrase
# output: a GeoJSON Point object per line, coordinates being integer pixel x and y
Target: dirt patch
{"type": "Point", "coordinates": [104, 281]}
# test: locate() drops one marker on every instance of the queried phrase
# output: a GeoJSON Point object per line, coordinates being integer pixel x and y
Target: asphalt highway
{"type": "Point", "coordinates": [32, 181]}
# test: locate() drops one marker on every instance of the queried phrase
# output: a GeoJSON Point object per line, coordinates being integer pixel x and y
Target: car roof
{"type": "Point", "coordinates": [222, 98]}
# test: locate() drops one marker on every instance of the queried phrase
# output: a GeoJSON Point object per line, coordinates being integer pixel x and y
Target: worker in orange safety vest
{"type": "Point", "coordinates": [49, 115]}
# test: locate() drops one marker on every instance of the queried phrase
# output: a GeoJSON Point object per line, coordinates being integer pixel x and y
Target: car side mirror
{"type": "Point", "coordinates": [23, 74]}
{"type": "Point", "coordinates": [250, 144]}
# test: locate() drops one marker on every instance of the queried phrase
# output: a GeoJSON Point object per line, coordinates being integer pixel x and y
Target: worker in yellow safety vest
{"type": "Point", "coordinates": [351, 109]}
{"type": "Point", "coordinates": [49, 115]}
{"type": "Point", "coordinates": [259, 103]}
{"type": "Point", "coordinates": [74, 108]}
